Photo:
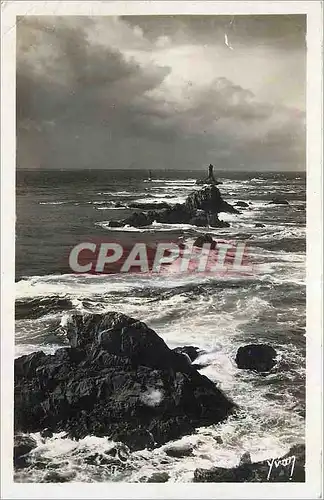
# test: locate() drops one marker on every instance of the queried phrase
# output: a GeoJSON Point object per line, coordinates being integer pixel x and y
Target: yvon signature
{"type": "Point", "coordinates": [281, 462]}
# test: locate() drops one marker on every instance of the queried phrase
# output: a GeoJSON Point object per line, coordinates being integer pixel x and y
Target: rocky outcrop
{"type": "Point", "coordinates": [210, 200]}
{"type": "Point", "coordinates": [289, 467]}
{"type": "Point", "coordinates": [138, 219]}
{"type": "Point", "coordinates": [118, 379]}
{"type": "Point", "coordinates": [176, 214]}
{"type": "Point", "coordinates": [190, 351]}
{"type": "Point", "coordinates": [23, 444]}
{"type": "Point", "coordinates": [200, 209]}
{"type": "Point", "coordinates": [179, 450]}
{"type": "Point", "coordinates": [257, 357]}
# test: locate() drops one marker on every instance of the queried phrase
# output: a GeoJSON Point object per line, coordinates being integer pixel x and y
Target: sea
{"type": "Point", "coordinates": [56, 210]}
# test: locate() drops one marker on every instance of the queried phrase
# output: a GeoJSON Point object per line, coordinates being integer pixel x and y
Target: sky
{"type": "Point", "coordinates": [161, 92]}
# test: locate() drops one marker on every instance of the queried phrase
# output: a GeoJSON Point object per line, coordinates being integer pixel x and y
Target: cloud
{"type": "Point", "coordinates": [106, 92]}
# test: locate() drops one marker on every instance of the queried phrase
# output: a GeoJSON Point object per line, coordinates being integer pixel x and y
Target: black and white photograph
{"type": "Point", "coordinates": [160, 231]}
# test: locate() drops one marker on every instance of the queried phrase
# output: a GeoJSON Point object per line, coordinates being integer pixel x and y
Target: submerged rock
{"type": "Point", "coordinates": [214, 221]}
{"type": "Point", "coordinates": [242, 204]}
{"type": "Point", "coordinates": [179, 451]}
{"type": "Point", "coordinates": [118, 379]}
{"type": "Point", "coordinates": [116, 223]}
{"type": "Point", "coordinates": [278, 201]}
{"type": "Point", "coordinates": [258, 357]}
{"type": "Point", "coordinates": [150, 206]}
{"type": "Point", "coordinates": [289, 467]}
{"type": "Point", "coordinates": [259, 224]}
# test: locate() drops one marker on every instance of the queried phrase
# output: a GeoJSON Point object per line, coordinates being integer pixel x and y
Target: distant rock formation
{"type": "Point", "coordinates": [201, 208]}
{"type": "Point", "coordinates": [210, 200]}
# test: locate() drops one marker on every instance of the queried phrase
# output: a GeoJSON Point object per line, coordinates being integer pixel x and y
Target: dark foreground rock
{"type": "Point", "coordinates": [258, 357]}
{"type": "Point", "coordinates": [179, 451]}
{"type": "Point", "coordinates": [23, 444]}
{"type": "Point", "coordinates": [190, 351]}
{"type": "Point", "coordinates": [289, 467]}
{"type": "Point", "coordinates": [118, 379]}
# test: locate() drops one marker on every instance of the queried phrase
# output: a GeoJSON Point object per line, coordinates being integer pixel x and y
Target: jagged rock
{"type": "Point", "coordinates": [258, 357]}
{"type": "Point", "coordinates": [120, 451]}
{"type": "Point", "coordinates": [46, 433]}
{"type": "Point", "coordinates": [23, 444]}
{"type": "Point", "coordinates": [214, 221]}
{"type": "Point", "coordinates": [150, 206]}
{"type": "Point", "coordinates": [156, 477]}
{"type": "Point", "coordinates": [242, 204]}
{"type": "Point", "coordinates": [189, 350]}
{"type": "Point", "coordinates": [179, 451]}
{"type": "Point", "coordinates": [138, 219]}
{"type": "Point", "coordinates": [210, 200]}
{"type": "Point", "coordinates": [177, 214]}
{"type": "Point", "coordinates": [118, 379]}
{"type": "Point", "coordinates": [281, 469]}
{"type": "Point", "coordinates": [199, 220]}
{"type": "Point", "coordinates": [205, 238]}
{"type": "Point", "coordinates": [278, 201]}
{"type": "Point", "coordinates": [245, 458]}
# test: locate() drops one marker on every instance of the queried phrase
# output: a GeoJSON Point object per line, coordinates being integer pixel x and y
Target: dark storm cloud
{"type": "Point", "coordinates": [264, 29]}
{"type": "Point", "coordinates": [147, 92]}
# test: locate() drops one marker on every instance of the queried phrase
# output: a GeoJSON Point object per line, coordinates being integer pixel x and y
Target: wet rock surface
{"type": "Point", "coordinates": [118, 379]}
{"type": "Point", "coordinates": [257, 357]}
